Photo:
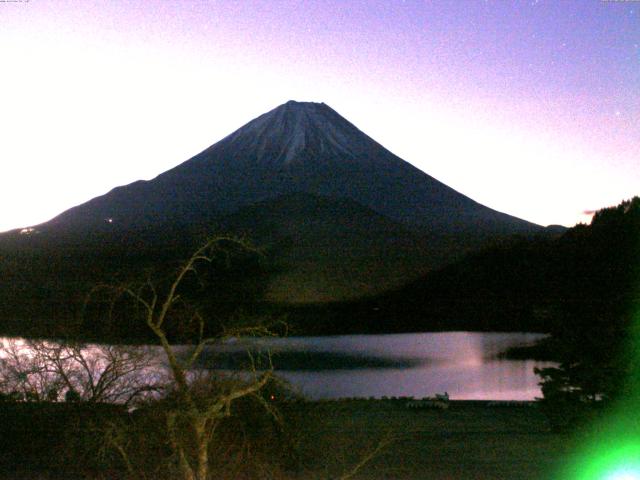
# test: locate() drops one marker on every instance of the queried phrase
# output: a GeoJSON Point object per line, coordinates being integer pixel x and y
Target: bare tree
{"type": "Point", "coordinates": [189, 416]}
{"type": "Point", "coordinates": [50, 370]}
{"type": "Point", "coordinates": [195, 404]}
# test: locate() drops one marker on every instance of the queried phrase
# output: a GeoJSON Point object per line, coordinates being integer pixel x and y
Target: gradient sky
{"type": "Point", "coordinates": [529, 107]}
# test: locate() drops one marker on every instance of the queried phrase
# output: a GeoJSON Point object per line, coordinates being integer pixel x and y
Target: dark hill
{"type": "Point", "coordinates": [576, 283]}
{"type": "Point", "coordinates": [331, 249]}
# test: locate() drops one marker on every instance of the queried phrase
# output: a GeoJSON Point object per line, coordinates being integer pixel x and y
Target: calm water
{"type": "Point", "coordinates": [464, 364]}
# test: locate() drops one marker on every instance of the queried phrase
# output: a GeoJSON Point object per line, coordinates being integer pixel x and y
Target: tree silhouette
{"type": "Point", "coordinates": [594, 334]}
{"type": "Point", "coordinates": [195, 403]}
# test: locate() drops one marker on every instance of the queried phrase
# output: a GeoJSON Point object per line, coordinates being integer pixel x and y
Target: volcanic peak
{"type": "Point", "coordinates": [291, 129]}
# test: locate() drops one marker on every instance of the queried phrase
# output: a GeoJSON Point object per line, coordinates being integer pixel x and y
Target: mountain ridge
{"type": "Point", "coordinates": [296, 147]}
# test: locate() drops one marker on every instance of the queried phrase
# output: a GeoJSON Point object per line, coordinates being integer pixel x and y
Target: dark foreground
{"type": "Point", "coordinates": [469, 440]}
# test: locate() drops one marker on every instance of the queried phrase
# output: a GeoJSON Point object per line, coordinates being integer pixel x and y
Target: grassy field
{"type": "Point", "coordinates": [470, 440]}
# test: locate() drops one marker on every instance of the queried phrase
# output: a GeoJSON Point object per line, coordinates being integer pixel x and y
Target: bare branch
{"type": "Point", "coordinates": [367, 457]}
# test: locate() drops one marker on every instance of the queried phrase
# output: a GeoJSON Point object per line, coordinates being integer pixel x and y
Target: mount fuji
{"type": "Point", "coordinates": [298, 147]}
{"type": "Point", "coordinates": [340, 216]}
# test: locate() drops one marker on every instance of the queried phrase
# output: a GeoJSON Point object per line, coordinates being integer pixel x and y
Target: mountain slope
{"type": "Point", "coordinates": [325, 249]}
{"type": "Point", "coordinates": [297, 147]}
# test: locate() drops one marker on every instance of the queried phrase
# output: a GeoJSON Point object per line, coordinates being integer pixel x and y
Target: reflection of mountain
{"type": "Point", "coordinates": [339, 216]}
{"type": "Point", "coordinates": [303, 361]}
{"type": "Point", "coordinates": [419, 365]}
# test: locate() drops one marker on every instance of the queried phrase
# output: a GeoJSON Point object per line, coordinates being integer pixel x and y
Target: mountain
{"type": "Point", "coordinates": [338, 215]}
{"type": "Point", "coordinates": [297, 147]}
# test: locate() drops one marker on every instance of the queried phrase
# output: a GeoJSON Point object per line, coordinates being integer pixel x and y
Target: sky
{"type": "Point", "coordinates": [529, 107]}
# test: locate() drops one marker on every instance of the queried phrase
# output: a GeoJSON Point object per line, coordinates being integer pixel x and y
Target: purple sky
{"type": "Point", "coordinates": [530, 107]}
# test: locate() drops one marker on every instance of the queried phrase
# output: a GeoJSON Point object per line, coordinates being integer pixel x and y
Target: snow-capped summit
{"type": "Point", "coordinates": [296, 128]}
{"type": "Point", "coordinates": [298, 132]}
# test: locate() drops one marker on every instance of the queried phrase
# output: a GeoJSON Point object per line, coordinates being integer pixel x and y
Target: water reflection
{"type": "Point", "coordinates": [464, 364]}
{"type": "Point", "coordinates": [283, 360]}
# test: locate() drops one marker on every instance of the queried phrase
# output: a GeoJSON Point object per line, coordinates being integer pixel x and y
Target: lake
{"type": "Point", "coordinates": [464, 364]}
